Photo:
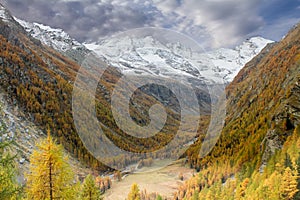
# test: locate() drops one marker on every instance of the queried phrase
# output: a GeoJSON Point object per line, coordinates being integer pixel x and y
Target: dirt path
{"type": "Point", "coordinates": [165, 181]}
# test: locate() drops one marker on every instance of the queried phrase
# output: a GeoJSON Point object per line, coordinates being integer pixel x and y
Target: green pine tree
{"type": "Point", "coordinates": [90, 190]}
{"type": "Point", "coordinates": [196, 195]}
{"type": "Point", "coordinates": [159, 197]}
{"type": "Point", "coordinates": [9, 189]}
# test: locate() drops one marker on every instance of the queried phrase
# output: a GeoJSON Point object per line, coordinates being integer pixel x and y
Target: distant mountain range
{"type": "Point", "coordinates": [142, 53]}
{"type": "Point", "coordinates": [147, 55]}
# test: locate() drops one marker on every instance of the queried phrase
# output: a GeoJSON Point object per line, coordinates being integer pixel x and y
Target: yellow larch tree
{"type": "Point", "coordinates": [289, 185]}
{"type": "Point", "coordinates": [134, 193]}
{"type": "Point", "coordinates": [50, 176]}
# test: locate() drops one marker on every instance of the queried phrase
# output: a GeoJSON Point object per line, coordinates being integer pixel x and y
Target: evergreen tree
{"type": "Point", "coordinates": [50, 176]}
{"type": "Point", "coordinates": [8, 186]}
{"type": "Point", "coordinates": [287, 160]}
{"type": "Point", "coordinates": [196, 195]}
{"type": "Point", "coordinates": [74, 192]}
{"type": "Point", "coordinates": [134, 194]}
{"type": "Point", "coordinates": [9, 189]}
{"type": "Point", "coordinates": [159, 197]}
{"type": "Point", "coordinates": [90, 190]}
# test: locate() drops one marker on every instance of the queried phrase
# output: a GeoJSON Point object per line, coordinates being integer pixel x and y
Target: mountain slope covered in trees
{"type": "Point", "coordinates": [257, 155]}
{"type": "Point", "coordinates": [40, 81]}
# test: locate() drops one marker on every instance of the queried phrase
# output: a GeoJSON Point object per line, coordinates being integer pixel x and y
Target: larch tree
{"type": "Point", "coordinates": [180, 176]}
{"type": "Point", "coordinates": [240, 193]}
{"type": "Point", "coordinates": [289, 184]}
{"type": "Point", "coordinates": [209, 195]}
{"type": "Point", "coordinates": [50, 176]}
{"type": "Point", "coordinates": [118, 176]}
{"type": "Point", "coordinates": [273, 186]}
{"type": "Point", "coordinates": [89, 189]}
{"type": "Point", "coordinates": [134, 193]}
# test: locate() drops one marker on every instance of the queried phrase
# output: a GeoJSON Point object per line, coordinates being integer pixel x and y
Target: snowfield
{"type": "Point", "coordinates": [149, 56]}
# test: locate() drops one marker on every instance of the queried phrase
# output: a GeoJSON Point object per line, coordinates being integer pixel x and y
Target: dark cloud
{"type": "Point", "coordinates": [84, 20]}
{"type": "Point", "coordinates": [221, 22]}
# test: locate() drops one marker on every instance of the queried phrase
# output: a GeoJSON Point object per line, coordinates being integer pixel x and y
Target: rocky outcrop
{"type": "Point", "coordinates": [269, 145]}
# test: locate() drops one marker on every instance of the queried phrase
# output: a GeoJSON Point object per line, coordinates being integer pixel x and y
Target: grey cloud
{"type": "Point", "coordinates": [216, 22]}
{"type": "Point", "coordinates": [84, 20]}
{"type": "Point", "coordinates": [227, 21]}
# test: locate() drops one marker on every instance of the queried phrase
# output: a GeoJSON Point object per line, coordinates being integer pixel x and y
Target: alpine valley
{"type": "Point", "coordinates": [257, 154]}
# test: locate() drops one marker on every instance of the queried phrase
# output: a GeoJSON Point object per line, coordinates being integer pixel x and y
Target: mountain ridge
{"type": "Point", "coordinates": [225, 62]}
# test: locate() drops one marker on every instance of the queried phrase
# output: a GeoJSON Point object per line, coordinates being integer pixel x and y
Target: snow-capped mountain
{"type": "Point", "coordinates": [230, 61]}
{"type": "Point", "coordinates": [149, 56]}
{"type": "Point", "coordinates": [5, 15]}
{"type": "Point", "coordinates": [52, 37]}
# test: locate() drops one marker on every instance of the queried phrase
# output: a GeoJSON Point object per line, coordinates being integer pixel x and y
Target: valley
{"type": "Point", "coordinates": [147, 114]}
{"type": "Point", "coordinates": [164, 181]}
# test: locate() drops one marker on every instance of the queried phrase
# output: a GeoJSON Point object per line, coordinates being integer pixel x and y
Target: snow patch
{"type": "Point", "coordinates": [4, 14]}
{"type": "Point", "coordinates": [52, 37]}
{"type": "Point", "coordinates": [149, 56]}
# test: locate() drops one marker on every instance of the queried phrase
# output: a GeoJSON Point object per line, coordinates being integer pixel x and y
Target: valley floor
{"type": "Point", "coordinates": [164, 181]}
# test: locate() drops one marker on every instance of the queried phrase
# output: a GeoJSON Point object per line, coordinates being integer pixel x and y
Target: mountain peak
{"type": "Point", "coordinates": [150, 56]}
{"type": "Point", "coordinates": [4, 14]}
{"type": "Point", "coordinates": [52, 37]}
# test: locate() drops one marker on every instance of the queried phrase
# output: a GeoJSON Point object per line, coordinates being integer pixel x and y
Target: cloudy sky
{"type": "Point", "coordinates": [221, 23]}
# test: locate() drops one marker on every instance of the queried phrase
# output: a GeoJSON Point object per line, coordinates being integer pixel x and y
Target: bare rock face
{"type": "Point", "coordinates": [287, 118]}
{"type": "Point", "coordinates": [293, 106]}
{"type": "Point", "coordinates": [20, 130]}
{"type": "Point", "coordinates": [269, 145]}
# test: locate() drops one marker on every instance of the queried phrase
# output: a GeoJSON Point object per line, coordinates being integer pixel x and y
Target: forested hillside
{"type": "Point", "coordinates": [35, 79]}
{"type": "Point", "coordinates": [40, 81]}
{"type": "Point", "coordinates": [257, 155]}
